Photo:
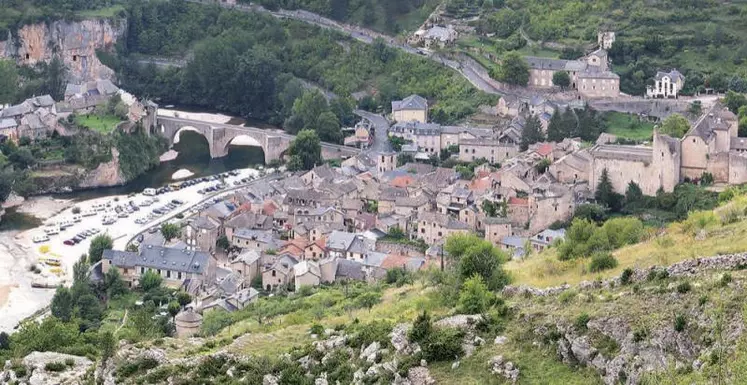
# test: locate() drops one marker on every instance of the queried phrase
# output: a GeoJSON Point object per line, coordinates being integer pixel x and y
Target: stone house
{"type": "Point", "coordinates": [319, 216]}
{"type": "Point", "coordinates": [306, 273]}
{"type": "Point", "coordinates": [546, 238]}
{"type": "Point", "coordinates": [279, 273]}
{"type": "Point", "coordinates": [179, 268]}
{"type": "Point", "coordinates": [260, 240]}
{"type": "Point", "coordinates": [247, 264]}
{"type": "Point", "coordinates": [589, 75]}
{"type": "Point", "coordinates": [319, 174]}
{"type": "Point", "coordinates": [434, 227]}
{"type": "Point", "coordinates": [493, 150]}
{"type": "Point", "coordinates": [435, 36]}
{"type": "Point", "coordinates": [666, 84]}
{"type": "Point", "coordinates": [427, 136]}
{"type": "Point", "coordinates": [497, 228]}
{"type": "Point", "coordinates": [201, 233]}
{"type": "Point", "coordinates": [408, 206]}
{"type": "Point", "coordinates": [315, 251]}
{"type": "Point", "coordinates": [248, 220]}
{"type": "Point", "coordinates": [454, 135]}
{"type": "Point", "coordinates": [509, 106]}
{"type": "Point", "coordinates": [411, 108]}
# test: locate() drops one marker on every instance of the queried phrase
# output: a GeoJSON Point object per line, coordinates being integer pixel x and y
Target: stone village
{"type": "Point", "coordinates": [373, 212]}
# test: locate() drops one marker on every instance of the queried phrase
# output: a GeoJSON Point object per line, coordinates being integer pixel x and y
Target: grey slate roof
{"type": "Point", "coordinates": [158, 257]}
{"type": "Point", "coordinates": [416, 128]}
{"type": "Point", "coordinates": [673, 74]}
{"type": "Point", "coordinates": [340, 240]}
{"type": "Point", "coordinates": [17, 110]}
{"type": "Point", "coordinates": [412, 102]}
{"type": "Point", "coordinates": [349, 269]}
{"type": "Point", "coordinates": [7, 123]}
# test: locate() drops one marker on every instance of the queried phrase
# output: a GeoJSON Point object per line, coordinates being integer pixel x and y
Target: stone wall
{"type": "Point", "coordinates": [75, 43]}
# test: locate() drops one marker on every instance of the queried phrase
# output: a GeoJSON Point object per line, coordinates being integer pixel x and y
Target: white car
{"type": "Point", "coordinates": [40, 238]}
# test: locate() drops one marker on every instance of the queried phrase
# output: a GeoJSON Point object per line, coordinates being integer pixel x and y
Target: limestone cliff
{"type": "Point", "coordinates": [74, 42]}
{"type": "Point", "coordinates": [63, 178]}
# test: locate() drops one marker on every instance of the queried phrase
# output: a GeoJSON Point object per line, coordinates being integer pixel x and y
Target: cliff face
{"type": "Point", "coordinates": [70, 177]}
{"type": "Point", "coordinates": [74, 42]}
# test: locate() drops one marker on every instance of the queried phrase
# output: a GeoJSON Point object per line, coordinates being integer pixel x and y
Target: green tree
{"type": "Point", "coordinates": [605, 193]}
{"type": "Point", "coordinates": [62, 304]}
{"type": "Point", "coordinates": [8, 81]}
{"type": "Point", "coordinates": [633, 196]}
{"type": "Point", "coordinates": [174, 308]}
{"type": "Point", "coordinates": [328, 128]}
{"type": "Point", "coordinates": [734, 101]}
{"type": "Point", "coordinates": [89, 310]}
{"type": "Point", "coordinates": [99, 243]}
{"type": "Point", "coordinates": [531, 133]}
{"type": "Point", "coordinates": [675, 125]}
{"type": "Point", "coordinates": [107, 344]}
{"type": "Point", "coordinates": [307, 110]}
{"type": "Point", "coordinates": [113, 282]}
{"type": "Point", "coordinates": [368, 299]}
{"type": "Point", "coordinates": [305, 151]}
{"type": "Point", "coordinates": [421, 328]}
{"type": "Point", "coordinates": [150, 280]}
{"type": "Point", "coordinates": [222, 242]}
{"type": "Point", "coordinates": [475, 296]}
{"type": "Point", "coordinates": [184, 298]}
{"type": "Point", "coordinates": [170, 231]}
{"type": "Point", "coordinates": [561, 79]}
{"type": "Point", "coordinates": [476, 256]}
{"type": "Point", "coordinates": [514, 70]}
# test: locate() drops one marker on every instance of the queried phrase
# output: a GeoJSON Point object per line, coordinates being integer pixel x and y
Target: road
{"type": "Point", "coordinates": [381, 126]}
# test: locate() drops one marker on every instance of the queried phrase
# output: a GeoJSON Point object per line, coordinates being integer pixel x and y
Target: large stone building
{"type": "Point", "coordinates": [710, 146]}
{"type": "Point", "coordinates": [590, 75]}
{"type": "Point", "coordinates": [413, 107]}
{"type": "Point", "coordinates": [492, 150]}
{"type": "Point", "coordinates": [666, 84]}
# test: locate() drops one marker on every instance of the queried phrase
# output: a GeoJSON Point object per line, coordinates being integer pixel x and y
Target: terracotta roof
{"type": "Point", "coordinates": [518, 201]}
{"type": "Point", "coordinates": [544, 149]}
{"type": "Point", "coordinates": [394, 261]}
{"type": "Point", "coordinates": [402, 181]}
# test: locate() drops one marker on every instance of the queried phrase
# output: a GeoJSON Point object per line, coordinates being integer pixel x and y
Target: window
{"type": "Point", "coordinates": [273, 273]}
{"type": "Point", "coordinates": [439, 234]}
{"type": "Point", "coordinates": [179, 275]}
{"type": "Point", "coordinates": [142, 270]}
{"type": "Point", "coordinates": [168, 273]}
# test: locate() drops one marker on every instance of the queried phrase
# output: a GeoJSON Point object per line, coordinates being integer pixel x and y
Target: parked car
{"type": "Point", "coordinates": [69, 242]}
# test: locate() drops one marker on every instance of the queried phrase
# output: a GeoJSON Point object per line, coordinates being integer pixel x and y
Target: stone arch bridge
{"type": "Point", "coordinates": [220, 136]}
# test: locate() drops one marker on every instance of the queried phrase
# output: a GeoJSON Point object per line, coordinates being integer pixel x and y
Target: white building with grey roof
{"type": "Point", "coordinates": [666, 84]}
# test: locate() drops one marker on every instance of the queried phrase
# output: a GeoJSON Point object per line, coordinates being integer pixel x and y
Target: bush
{"type": "Point", "coordinates": [581, 322]}
{"type": "Point", "coordinates": [69, 362]}
{"type": "Point", "coordinates": [725, 279]}
{"type": "Point", "coordinates": [640, 334]}
{"type": "Point", "coordinates": [679, 323]}
{"type": "Point", "coordinates": [567, 296]}
{"type": "Point", "coordinates": [317, 329]}
{"type": "Point", "coordinates": [421, 328]}
{"type": "Point", "coordinates": [626, 276]}
{"type": "Point", "coordinates": [474, 297]}
{"type": "Point", "coordinates": [702, 300]}
{"type": "Point", "coordinates": [684, 287]}
{"type": "Point", "coordinates": [443, 345]}
{"type": "Point", "coordinates": [55, 366]}
{"type": "Point", "coordinates": [601, 262]}
{"type": "Point", "coordinates": [364, 335]}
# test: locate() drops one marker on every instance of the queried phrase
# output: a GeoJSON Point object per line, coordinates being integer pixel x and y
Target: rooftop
{"type": "Point", "coordinates": [159, 257]}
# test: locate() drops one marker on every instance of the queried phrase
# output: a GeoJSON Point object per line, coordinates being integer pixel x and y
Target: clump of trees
{"type": "Point", "coordinates": [513, 70]}
{"type": "Point", "coordinates": [571, 123]}
{"type": "Point", "coordinates": [585, 238]}
{"type": "Point", "coordinates": [305, 151]}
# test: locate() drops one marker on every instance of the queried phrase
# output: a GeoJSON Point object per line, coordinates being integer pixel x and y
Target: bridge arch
{"type": "Point", "coordinates": [244, 140]}
{"type": "Point", "coordinates": [175, 138]}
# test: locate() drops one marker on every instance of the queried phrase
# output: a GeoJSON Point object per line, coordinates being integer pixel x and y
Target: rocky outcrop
{"type": "Point", "coordinates": [75, 43]}
{"type": "Point", "coordinates": [105, 175]}
{"type": "Point", "coordinates": [38, 367]}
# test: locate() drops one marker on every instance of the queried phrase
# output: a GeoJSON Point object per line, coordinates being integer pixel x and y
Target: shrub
{"type": "Point", "coordinates": [640, 334]}
{"type": "Point", "coordinates": [69, 362]}
{"type": "Point", "coordinates": [421, 328]}
{"type": "Point", "coordinates": [602, 261]}
{"type": "Point", "coordinates": [317, 329]}
{"type": "Point", "coordinates": [679, 323]}
{"type": "Point", "coordinates": [725, 279]}
{"type": "Point", "coordinates": [581, 322]}
{"type": "Point", "coordinates": [443, 345]}
{"type": "Point", "coordinates": [474, 297]}
{"type": "Point", "coordinates": [567, 296]}
{"type": "Point", "coordinates": [626, 276]}
{"type": "Point", "coordinates": [684, 287]}
{"type": "Point", "coordinates": [363, 335]}
{"type": "Point", "coordinates": [702, 300]}
{"type": "Point", "coordinates": [55, 366]}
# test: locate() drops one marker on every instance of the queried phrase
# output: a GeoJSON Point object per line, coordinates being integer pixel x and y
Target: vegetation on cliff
{"type": "Point", "coordinates": [244, 65]}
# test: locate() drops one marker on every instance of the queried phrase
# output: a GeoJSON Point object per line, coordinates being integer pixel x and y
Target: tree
{"type": "Point", "coordinates": [305, 151]}
{"type": "Point", "coordinates": [543, 165]}
{"type": "Point", "coordinates": [675, 125]}
{"type": "Point", "coordinates": [531, 133]}
{"type": "Point", "coordinates": [561, 79]}
{"type": "Point", "coordinates": [396, 233]}
{"type": "Point", "coordinates": [734, 101]}
{"type": "Point", "coordinates": [89, 310]}
{"type": "Point", "coordinates": [184, 298]}
{"type": "Point", "coordinates": [514, 70]}
{"type": "Point", "coordinates": [150, 280]}
{"type": "Point", "coordinates": [222, 242]}
{"type": "Point", "coordinates": [170, 231]}
{"type": "Point", "coordinates": [368, 299]}
{"type": "Point", "coordinates": [605, 193]}
{"type": "Point", "coordinates": [107, 344]}
{"type": "Point", "coordinates": [474, 297]}
{"type": "Point", "coordinates": [8, 81]}
{"type": "Point", "coordinates": [62, 304]}
{"type": "Point", "coordinates": [4, 341]}
{"type": "Point", "coordinates": [174, 308]}
{"type": "Point", "coordinates": [99, 243]}
{"type": "Point", "coordinates": [633, 196]}
{"type": "Point", "coordinates": [328, 128]}
{"type": "Point", "coordinates": [113, 282]}
{"type": "Point", "coordinates": [476, 256]}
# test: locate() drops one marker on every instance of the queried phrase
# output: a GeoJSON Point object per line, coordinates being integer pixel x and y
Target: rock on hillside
{"type": "Point", "coordinates": [35, 369]}
{"type": "Point", "coordinates": [75, 43]}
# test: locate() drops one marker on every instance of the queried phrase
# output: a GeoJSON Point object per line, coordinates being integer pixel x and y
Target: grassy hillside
{"type": "Point", "coordinates": [701, 38]}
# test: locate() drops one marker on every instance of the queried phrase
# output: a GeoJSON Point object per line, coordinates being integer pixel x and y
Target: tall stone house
{"type": "Point", "coordinates": [590, 75]}
{"type": "Point", "coordinates": [411, 108]}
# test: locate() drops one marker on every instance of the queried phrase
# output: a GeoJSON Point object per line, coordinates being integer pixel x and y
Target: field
{"type": "Point", "coordinates": [100, 13]}
{"type": "Point", "coordinates": [627, 126]}
{"type": "Point", "coordinates": [101, 124]}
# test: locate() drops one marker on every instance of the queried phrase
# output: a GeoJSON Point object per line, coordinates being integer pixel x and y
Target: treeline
{"type": "Point", "coordinates": [16, 13]}
{"type": "Point", "coordinates": [243, 65]}
{"type": "Point", "coordinates": [381, 15]}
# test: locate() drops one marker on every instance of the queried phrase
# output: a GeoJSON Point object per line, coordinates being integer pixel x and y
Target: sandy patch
{"type": "Point", "coordinates": [181, 174]}
{"type": "Point", "coordinates": [200, 116]}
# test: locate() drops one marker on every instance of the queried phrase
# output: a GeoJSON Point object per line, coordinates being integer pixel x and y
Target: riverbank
{"type": "Point", "coordinates": [18, 300]}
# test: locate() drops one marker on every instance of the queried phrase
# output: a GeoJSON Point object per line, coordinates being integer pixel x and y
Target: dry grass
{"type": "Point", "coordinates": [677, 244]}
